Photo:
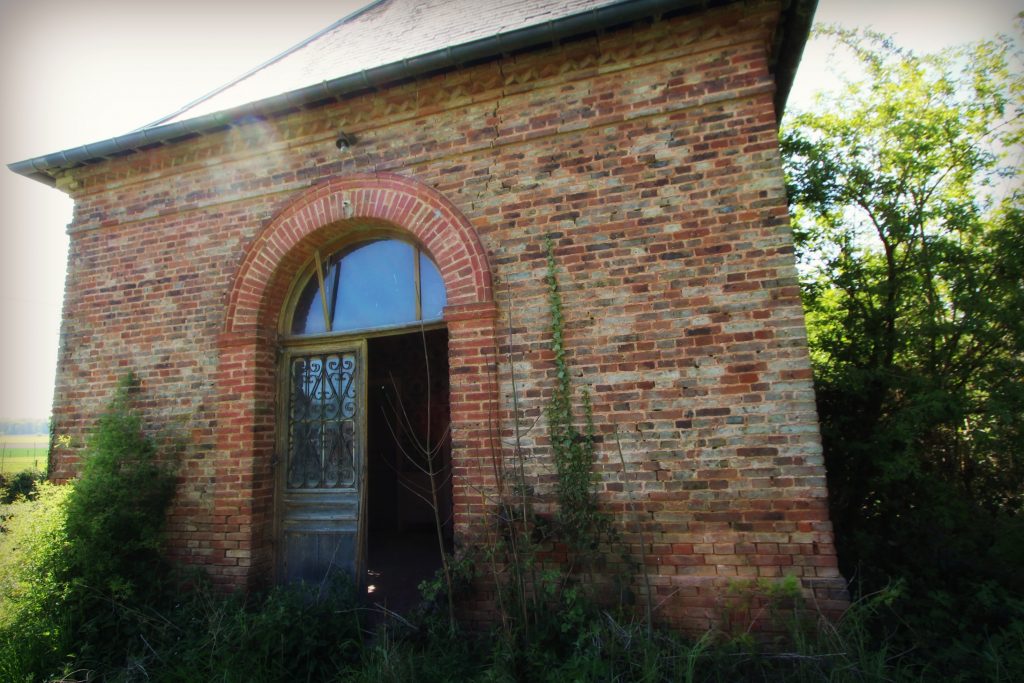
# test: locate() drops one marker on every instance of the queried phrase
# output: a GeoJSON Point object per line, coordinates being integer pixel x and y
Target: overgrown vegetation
{"type": "Point", "coordinates": [20, 485]}
{"type": "Point", "coordinates": [541, 565]}
{"type": "Point", "coordinates": [85, 597]}
{"type": "Point", "coordinates": [80, 555]}
{"type": "Point", "coordinates": [291, 634]}
{"type": "Point", "coordinates": [115, 514]}
{"type": "Point", "coordinates": [910, 227]}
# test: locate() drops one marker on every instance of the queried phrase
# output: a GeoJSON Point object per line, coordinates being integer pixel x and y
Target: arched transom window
{"type": "Point", "coordinates": [377, 284]}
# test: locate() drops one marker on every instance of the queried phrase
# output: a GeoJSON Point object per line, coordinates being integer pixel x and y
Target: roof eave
{"type": "Point", "coordinates": [790, 38]}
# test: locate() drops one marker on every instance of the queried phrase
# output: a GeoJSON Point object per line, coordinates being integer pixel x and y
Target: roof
{"type": "Point", "coordinates": [384, 32]}
{"type": "Point", "coordinates": [390, 40]}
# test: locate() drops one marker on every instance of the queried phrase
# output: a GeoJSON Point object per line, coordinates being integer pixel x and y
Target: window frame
{"type": "Point", "coordinates": [323, 255]}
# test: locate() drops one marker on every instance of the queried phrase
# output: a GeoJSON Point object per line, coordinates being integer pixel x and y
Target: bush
{"type": "Point", "coordinates": [86, 565]}
{"type": "Point", "coordinates": [21, 485]}
{"type": "Point", "coordinates": [292, 633]}
{"type": "Point", "coordinates": [34, 635]}
{"type": "Point", "coordinates": [116, 512]}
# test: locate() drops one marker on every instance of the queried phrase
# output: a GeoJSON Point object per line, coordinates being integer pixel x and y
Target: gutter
{"type": "Point", "coordinates": [788, 45]}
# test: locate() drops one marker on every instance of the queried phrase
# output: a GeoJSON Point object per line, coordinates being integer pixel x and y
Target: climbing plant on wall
{"type": "Point", "coordinates": [572, 447]}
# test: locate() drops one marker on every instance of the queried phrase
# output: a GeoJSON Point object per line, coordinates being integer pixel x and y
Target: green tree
{"type": "Point", "coordinates": [910, 233]}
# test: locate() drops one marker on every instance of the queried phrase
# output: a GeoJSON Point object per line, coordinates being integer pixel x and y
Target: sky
{"type": "Point", "coordinates": [74, 72]}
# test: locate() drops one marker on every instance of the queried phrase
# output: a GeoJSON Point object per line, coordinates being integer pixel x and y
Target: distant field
{"type": "Point", "coordinates": [23, 452]}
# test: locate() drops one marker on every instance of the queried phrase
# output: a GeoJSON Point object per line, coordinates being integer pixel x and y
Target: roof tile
{"type": "Point", "coordinates": [383, 33]}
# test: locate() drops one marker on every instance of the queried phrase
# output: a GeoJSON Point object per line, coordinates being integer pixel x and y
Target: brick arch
{"type": "Point", "coordinates": [239, 539]}
{"type": "Point", "coordinates": [379, 197]}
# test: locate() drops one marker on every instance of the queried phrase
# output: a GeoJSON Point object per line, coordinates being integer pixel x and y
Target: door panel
{"type": "Point", "coordinates": [322, 487]}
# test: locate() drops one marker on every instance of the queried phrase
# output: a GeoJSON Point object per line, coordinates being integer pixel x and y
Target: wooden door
{"type": "Point", "coordinates": [321, 486]}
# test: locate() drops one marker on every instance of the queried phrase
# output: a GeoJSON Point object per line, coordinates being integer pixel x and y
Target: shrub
{"type": "Point", "coordinates": [291, 633]}
{"type": "Point", "coordinates": [21, 485]}
{"type": "Point", "coordinates": [33, 631]}
{"type": "Point", "coordinates": [85, 569]}
{"type": "Point", "coordinates": [116, 511]}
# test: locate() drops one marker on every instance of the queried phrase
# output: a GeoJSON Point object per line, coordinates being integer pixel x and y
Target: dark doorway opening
{"type": "Point", "coordinates": [408, 446]}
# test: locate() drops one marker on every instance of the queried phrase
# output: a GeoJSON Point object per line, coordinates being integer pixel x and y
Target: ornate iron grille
{"type": "Point", "coordinates": [322, 425]}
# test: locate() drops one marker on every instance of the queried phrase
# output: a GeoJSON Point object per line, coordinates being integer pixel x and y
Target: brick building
{"type": "Point", "coordinates": [285, 267]}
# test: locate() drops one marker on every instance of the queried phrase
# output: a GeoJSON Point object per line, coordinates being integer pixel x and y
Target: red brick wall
{"type": "Point", "coordinates": [649, 154]}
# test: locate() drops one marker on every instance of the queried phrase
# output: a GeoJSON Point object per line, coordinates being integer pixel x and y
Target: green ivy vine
{"type": "Point", "coordinates": [582, 524]}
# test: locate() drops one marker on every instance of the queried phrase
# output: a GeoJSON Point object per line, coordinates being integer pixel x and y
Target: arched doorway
{"type": "Point", "coordinates": [365, 486]}
{"type": "Point", "coordinates": [276, 265]}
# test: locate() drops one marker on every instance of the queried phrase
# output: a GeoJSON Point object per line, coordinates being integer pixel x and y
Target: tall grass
{"type": "Point", "coordinates": [85, 596]}
{"type": "Point", "coordinates": [292, 634]}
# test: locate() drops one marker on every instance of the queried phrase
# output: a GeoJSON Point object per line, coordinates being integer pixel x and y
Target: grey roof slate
{"type": "Point", "coordinates": [383, 32]}
{"type": "Point", "coordinates": [391, 40]}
